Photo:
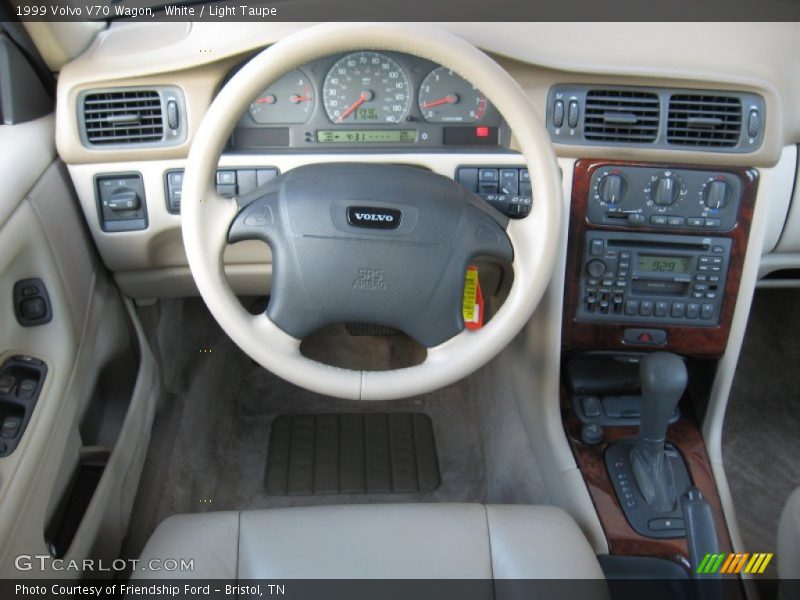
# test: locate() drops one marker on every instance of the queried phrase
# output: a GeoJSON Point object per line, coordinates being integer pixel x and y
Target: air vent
{"type": "Point", "coordinates": [621, 116]}
{"type": "Point", "coordinates": [142, 117]}
{"type": "Point", "coordinates": [125, 117]}
{"type": "Point", "coordinates": [704, 120]}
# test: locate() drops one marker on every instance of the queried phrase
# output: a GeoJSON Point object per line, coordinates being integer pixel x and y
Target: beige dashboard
{"type": "Point", "coordinates": [197, 57]}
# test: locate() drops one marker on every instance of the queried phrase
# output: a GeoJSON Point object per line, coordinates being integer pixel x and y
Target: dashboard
{"type": "Point", "coordinates": [370, 99]}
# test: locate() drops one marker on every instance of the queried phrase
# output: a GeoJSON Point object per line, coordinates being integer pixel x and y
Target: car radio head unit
{"type": "Point", "coordinates": [653, 278]}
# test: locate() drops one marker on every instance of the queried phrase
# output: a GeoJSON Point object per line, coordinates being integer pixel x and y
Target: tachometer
{"type": "Point", "coordinates": [366, 87]}
{"type": "Point", "coordinates": [289, 100]}
{"type": "Point", "coordinates": [445, 97]}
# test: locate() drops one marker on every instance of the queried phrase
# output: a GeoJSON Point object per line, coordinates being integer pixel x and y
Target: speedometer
{"type": "Point", "coordinates": [366, 87]}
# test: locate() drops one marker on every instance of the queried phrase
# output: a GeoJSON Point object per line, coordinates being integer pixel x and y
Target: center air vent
{"type": "Point", "coordinates": [621, 116]}
{"type": "Point", "coordinates": [132, 116]}
{"type": "Point", "coordinates": [652, 118]}
{"type": "Point", "coordinates": [700, 120]}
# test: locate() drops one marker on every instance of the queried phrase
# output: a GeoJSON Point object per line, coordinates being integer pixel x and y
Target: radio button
{"type": "Point", "coordinates": [711, 295]}
{"type": "Point", "coordinates": [692, 310]}
{"type": "Point", "coordinates": [701, 277]}
{"type": "Point", "coordinates": [621, 273]}
{"type": "Point", "coordinates": [697, 294]}
{"type": "Point", "coordinates": [677, 221]}
{"type": "Point", "coordinates": [608, 283]}
{"type": "Point", "coordinates": [661, 309]}
{"type": "Point", "coordinates": [595, 268]}
{"type": "Point", "coordinates": [678, 310]}
{"type": "Point", "coordinates": [596, 248]}
{"type": "Point", "coordinates": [718, 249]}
{"type": "Point", "coordinates": [707, 311]}
{"type": "Point", "coordinates": [700, 287]}
{"type": "Point", "coordinates": [712, 222]}
{"type": "Point", "coordinates": [631, 307]}
{"type": "Point", "coordinates": [695, 221]}
{"type": "Point", "coordinates": [624, 255]}
{"type": "Point", "coordinates": [620, 283]}
{"type": "Point", "coordinates": [646, 308]}
{"type": "Point", "coordinates": [714, 278]}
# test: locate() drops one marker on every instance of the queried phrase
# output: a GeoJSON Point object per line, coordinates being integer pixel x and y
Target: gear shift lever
{"type": "Point", "coordinates": [663, 380]}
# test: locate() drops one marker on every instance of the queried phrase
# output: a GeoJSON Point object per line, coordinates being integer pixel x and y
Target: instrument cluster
{"type": "Point", "coordinates": [370, 98]}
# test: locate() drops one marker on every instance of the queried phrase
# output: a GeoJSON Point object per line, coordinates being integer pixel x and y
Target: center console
{"type": "Point", "coordinates": [655, 256]}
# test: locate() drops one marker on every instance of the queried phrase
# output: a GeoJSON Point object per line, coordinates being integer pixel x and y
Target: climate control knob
{"type": "Point", "coordinates": [612, 189]}
{"type": "Point", "coordinates": [665, 191]}
{"type": "Point", "coordinates": [717, 194]}
{"type": "Point", "coordinates": [595, 268]}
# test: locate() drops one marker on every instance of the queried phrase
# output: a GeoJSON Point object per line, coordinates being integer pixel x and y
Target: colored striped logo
{"type": "Point", "coordinates": [730, 563]}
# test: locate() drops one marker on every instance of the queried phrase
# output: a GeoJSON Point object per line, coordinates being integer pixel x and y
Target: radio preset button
{"type": "Point", "coordinates": [660, 309]}
{"type": "Point", "coordinates": [707, 311]}
{"type": "Point", "coordinates": [631, 307]}
{"type": "Point", "coordinates": [646, 308]}
{"type": "Point", "coordinates": [678, 310]}
{"type": "Point", "coordinates": [692, 310]}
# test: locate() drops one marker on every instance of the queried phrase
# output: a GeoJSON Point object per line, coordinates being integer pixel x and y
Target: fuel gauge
{"type": "Point", "coordinates": [290, 100]}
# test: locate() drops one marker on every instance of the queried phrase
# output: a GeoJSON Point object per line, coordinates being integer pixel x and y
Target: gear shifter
{"type": "Point", "coordinates": [663, 381]}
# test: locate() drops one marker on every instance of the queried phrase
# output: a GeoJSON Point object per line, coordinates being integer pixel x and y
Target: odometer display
{"type": "Point", "coordinates": [367, 136]}
{"type": "Point", "coordinates": [366, 87]}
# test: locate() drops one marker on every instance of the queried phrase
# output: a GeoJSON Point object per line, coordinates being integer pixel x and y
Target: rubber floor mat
{"type": "Point", "coordinates": [352, 454]}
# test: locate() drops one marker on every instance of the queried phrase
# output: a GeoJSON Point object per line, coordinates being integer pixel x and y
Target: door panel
{"type": "Point", "coordinates": [95, 409]}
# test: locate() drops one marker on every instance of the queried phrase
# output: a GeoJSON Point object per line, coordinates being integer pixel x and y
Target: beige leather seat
{"type": "Point", "coordinates": [788, 552]}
{"type": "Point", "coordinates": [422, 541]}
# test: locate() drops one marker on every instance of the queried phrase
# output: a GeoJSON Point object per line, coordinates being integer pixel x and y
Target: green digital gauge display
{"type": "Point", "coordinates": [367, 136]}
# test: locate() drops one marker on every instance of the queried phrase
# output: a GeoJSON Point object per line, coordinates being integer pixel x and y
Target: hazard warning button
{"type": "Point", "coordinates": [645, 337]}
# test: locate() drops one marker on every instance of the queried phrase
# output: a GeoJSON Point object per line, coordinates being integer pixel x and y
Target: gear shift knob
{"type": "Point", "coordinates": [663, 379]}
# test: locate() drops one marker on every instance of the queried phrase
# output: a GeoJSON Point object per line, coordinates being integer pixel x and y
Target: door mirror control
{"type": "Point", "coordinates": [32, 303]}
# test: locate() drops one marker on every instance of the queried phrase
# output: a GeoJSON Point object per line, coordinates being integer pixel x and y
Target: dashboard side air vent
{"type": "Point", "coordinates": [132, 116]}
{"type": "Point", "coordinates": [704, 120]}
{"type": "Point", "coordinates": [622, 116]}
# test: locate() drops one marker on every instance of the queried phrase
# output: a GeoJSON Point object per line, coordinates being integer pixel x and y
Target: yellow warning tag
{"type": "Point", "coordinates": [472, 307]}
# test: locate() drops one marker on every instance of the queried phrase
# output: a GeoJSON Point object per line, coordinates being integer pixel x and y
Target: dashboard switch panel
{"type": "Point", "coordinates": [508, 189]}
{"type": "Point", "coordinates": [231, 181]}
{"type": "Point", "coordinates": [664, 198]}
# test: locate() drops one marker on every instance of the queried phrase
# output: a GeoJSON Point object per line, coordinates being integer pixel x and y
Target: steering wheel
{"type": "Point", "coordinates": [370, 243]}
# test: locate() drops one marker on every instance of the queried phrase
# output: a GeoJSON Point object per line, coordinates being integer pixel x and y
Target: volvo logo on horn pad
{"type": "Point", "coordinates": [373, 217]}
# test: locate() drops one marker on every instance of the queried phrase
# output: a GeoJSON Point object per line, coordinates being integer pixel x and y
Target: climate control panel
{"type": "Point", "coordinates": [664, 198]}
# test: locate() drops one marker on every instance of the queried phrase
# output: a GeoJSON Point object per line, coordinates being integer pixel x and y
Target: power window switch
{"type": "Point", "coordinates": [6, 384]}
{"type": "Point", "coordinates": [10, 427]}
{"type": "Point", "coordinates": [27, 387]}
